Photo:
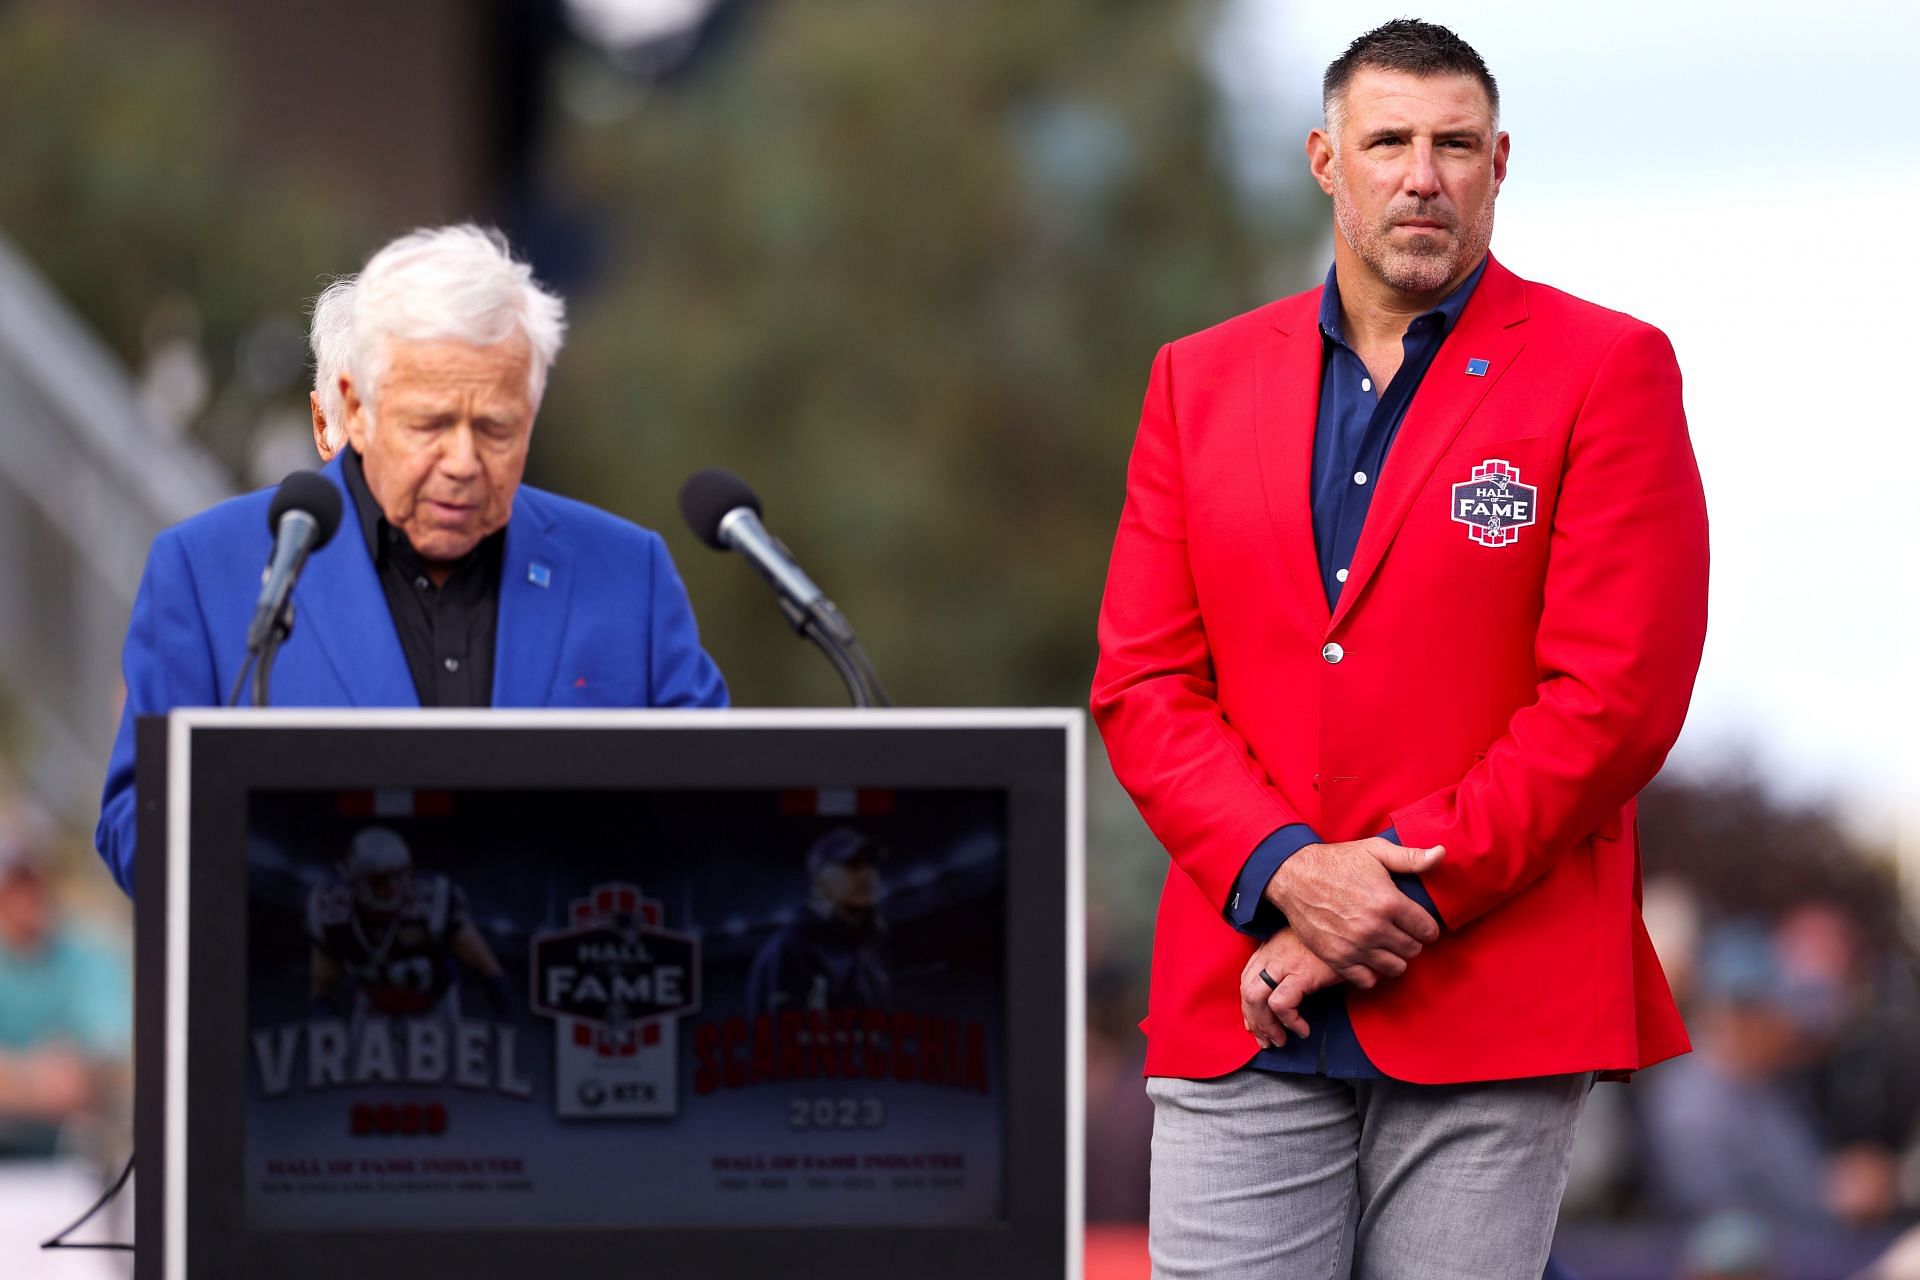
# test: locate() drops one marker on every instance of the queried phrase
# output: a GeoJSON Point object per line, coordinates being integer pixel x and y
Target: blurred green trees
{"type": "Point", "coordinates": [904, 267]}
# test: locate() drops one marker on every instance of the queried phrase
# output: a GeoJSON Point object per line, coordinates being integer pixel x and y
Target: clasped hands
{"type": "Point", "coordinates": [1346, 922]}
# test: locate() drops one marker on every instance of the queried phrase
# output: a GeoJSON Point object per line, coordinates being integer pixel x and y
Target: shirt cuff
{"type": "Point", "coordinates": [1248, 909]}
{"type": "Point", "coordinates": [1410, 885]}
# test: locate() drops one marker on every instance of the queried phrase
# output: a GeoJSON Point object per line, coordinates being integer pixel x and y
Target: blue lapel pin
{"type": "Point", "coordinates": [1476, 368]}
{"type": "Point", "coordinates": [539, 575]}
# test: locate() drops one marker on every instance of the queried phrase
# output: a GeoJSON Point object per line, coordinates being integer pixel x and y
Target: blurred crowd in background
{"type": "Point", "coordinates": [66, 1037]}
{"type": "Point", "coordinates": [1786, 1144]}
{"type": "Point", "coordinates": [66, 1008]}
{"type": "Point", "coordinates": [908, 269]}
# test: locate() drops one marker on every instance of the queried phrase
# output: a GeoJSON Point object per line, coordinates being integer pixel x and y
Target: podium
{"type": "Point", "coordinates": [519, 993]}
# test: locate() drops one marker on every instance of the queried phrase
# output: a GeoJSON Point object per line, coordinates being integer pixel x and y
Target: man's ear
{"type": "Point", "coordinates": [1320, 159]}
{"type": "Point", "coordinates": [320, 445]}
{"type": "Point", "coordinates": [359, 422]}
{"type": "Point", "coordinates": [1502, 146]}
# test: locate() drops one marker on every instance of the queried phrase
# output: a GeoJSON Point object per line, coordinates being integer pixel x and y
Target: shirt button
{"type": "Point", "coordinates": [421, 583]}
{"type": "Point", "coordinates": [1359, 477]}
{"type": "Point", "coordinates": [453, 664]}
{"type": "Point", "coordinates": [1366, 384]}
{"type": "Point", "coordinates": [1333, 652]}
{"type": "Point", "coordinates": [1340, 575]}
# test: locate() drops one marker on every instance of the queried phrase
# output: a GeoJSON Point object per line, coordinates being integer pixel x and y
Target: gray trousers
{"type": "Point", "coordinates": [1264, 1176]}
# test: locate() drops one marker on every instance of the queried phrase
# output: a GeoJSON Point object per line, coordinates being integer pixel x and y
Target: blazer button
{"type": "Point", "coordinates": [1333, 652]}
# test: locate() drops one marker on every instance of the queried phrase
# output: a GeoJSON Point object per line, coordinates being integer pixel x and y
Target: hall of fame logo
{"type": "Point", "coordinates": [1494, 505]}
{"type": "Point", "coordinates": [616, 983]}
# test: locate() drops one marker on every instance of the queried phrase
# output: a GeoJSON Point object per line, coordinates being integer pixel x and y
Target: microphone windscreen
{"type": "Point", "coordinates": [313, 493]}
{"type": "Point", "coordinates": [706, 498]}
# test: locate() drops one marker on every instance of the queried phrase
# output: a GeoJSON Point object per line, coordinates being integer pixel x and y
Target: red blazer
{"type": "Point", "coordinates": [1508, 666]}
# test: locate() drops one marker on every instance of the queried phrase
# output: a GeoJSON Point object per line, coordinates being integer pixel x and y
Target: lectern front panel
{"type": "Point", "coordinates": [547, 993]}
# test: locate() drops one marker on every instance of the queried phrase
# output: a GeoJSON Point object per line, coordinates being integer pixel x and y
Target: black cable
{"type": "Point", "coordinates": [240, 680]}
{"type": "Point", "coordinates": [842, 664]}
{"type": "Point", "coordinates": [269, 649]}
{"type": "Point", "coordinates": [876, 692]}
{"type": "Point", "coordinates": [58, 1240]}
{"type": "Point", "coordinates": [828, 628]}
{"type": "Point", "coordinates": [263, 671]}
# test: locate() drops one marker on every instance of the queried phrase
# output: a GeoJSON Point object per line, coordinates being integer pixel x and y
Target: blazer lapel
{"type": "Point", "coordinates": [1488, 330]}
{"type": "Point", "coordinates": [340, 602]}
{"type": "Point", "coordinates": [1286, 406]}
{"type": "Point", "coordinates": [536, 582]}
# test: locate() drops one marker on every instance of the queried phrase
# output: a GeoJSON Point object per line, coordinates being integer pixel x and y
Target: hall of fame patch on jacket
{"type": "Point", "coordinates": [1494, 505]}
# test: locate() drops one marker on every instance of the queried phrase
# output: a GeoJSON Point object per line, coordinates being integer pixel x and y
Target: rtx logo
{"type": "Point", "coordinates": [595, 1094]}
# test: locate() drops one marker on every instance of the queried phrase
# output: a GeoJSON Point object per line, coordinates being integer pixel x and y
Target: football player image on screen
{"type": "Point", "coordinates": [390, 940]}
{"type": "Point", "coordinates": [834, 955]}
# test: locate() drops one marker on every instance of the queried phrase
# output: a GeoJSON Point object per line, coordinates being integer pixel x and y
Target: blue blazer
{"type": "Point", "coordinates": [592, 614]}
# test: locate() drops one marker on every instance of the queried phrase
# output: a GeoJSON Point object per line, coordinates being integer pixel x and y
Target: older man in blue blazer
{"type": "Point", "coordinates": [449, 583]}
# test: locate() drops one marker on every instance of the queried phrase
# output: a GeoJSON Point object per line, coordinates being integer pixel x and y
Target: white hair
{"type": "Point", "coordinates": [460, 283]}
{"type": "Point", "coordinates": [331, 336]}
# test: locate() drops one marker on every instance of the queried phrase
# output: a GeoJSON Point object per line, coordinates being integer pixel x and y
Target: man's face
{"type": "Point", "coordinates": [446, 449]}
{"type": "Point", "coordinates": [25, 913]}
{"type": "Point", "coordinates": [851, 891]}
{"type": "Point", "coordinates": [383, 892]}
{"type": "Point", "coordinates": [1414, 176]}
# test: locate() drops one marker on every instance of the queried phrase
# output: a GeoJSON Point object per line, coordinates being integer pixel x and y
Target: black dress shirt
{"type": "Point", "coordinates": [447, 632]}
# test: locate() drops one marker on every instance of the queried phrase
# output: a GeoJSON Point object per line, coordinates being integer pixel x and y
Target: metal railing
{"type": "Point", "coordinates": [86, 481]}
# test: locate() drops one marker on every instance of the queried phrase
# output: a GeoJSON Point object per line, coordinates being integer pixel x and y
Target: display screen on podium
{"type": "Point", "coordinates": [520, 991]}
{"type": "Point", "coordinates": [625, 1007]}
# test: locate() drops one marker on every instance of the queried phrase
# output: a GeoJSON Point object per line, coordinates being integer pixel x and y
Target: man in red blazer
{"type": "Point", "coordinates": [1404, 608]}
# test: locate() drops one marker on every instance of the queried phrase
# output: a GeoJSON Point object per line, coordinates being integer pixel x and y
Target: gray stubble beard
{"type": "Point", "coordinates": [1411, 271]}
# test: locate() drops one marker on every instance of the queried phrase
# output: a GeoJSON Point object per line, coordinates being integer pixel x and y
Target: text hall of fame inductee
{"type": "Point", "coordinates": [1405, 607]}
{"type": "Point", "coordinates": [449, 583]}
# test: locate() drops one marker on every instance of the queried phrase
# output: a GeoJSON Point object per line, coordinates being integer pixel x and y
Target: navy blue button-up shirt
{"type": "Point", "coordinates": [1352, 435]}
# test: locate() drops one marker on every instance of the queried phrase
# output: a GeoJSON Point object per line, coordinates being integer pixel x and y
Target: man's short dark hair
{"type": "Point", "coordinates": [1411, 46]}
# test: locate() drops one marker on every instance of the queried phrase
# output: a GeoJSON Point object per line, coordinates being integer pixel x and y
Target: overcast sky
{"type": "Point", "coordinates": [1745, 176]}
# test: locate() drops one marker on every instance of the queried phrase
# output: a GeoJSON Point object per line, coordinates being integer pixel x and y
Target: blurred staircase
{"type": "Point", "coordinates": [86, 481]}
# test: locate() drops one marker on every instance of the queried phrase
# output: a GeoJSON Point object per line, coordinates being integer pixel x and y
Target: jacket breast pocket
{"type": "Point", "coordinates": [1497, 492]}
{"type": "Point", "coordinates": [1489, 508]}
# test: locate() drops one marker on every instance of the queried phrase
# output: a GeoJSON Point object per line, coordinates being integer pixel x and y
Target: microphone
{"type": "Point", "coordinates": [724, 511]}
{"type": "Point", "coordinates": [304, 514]}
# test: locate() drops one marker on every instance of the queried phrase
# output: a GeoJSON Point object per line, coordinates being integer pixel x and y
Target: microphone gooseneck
{"type": "Point", "coordinates": [724, 512]}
